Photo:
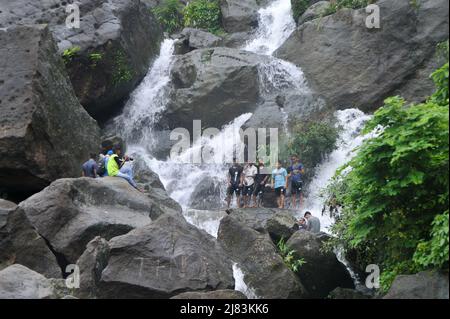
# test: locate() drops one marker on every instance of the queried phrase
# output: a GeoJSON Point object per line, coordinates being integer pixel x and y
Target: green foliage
{"type": "Point", "coordinates": [289, 256]}
{"type": "Point", "coordinates": [440, 78]}
{"type": "Point", "coordinates": [394, 196]}
{"type": "Point", "coordinates": [299, 7]}
{"type": "Point", "coordinates": [95, 58]}
{"type": "Point", "coordinates": [203, 14]}
{"type": "Point", "coordinates": [313, 142]}
{"type": "Point", "coordinates": [170, 15]}
{"type": "Point", "coordinates": [122, 72]}
{"type": "Point", "coordinates": [70, 53]}
{"type": "Point", "coordinates": [434, 252]}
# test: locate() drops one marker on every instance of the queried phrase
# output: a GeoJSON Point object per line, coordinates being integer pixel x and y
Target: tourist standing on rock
{"type": "Point", "coordinates": [313, 223]}
{"type": "Point", "coordinates": [250, 173]}
{"type": "Point", "coordinates": [235, 183]}
{"type": "Point", "coordinates": [296, 171]}
{"type": "Point", "coordinates": [279, 183]}
{"type": "Point", "coordinates": [261, 180]}
{"type": "Point", "coordinates": [90, 167]}
{"type": "Point", "coordinates": [117, 168]}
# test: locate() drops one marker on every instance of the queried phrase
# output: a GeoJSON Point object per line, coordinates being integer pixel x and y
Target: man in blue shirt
{"type": "Point", "coordinates": [296, 172]}
{"type": "Point", "coordinates": [90, 167]}
{"type": "Point", "coordinates": [279, 183]}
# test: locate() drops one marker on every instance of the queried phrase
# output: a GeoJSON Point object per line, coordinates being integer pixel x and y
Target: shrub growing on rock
{"type": "Point", "coordinates": [203, 14]}
{"type": "Point", "coordinates": [394, 196]}
{"type": "Point", "coordinates": [170, 15]}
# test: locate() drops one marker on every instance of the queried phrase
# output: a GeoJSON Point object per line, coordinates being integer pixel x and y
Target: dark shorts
{"type": "Point", "coordinates": [297, 188]}
{"type": "Point", "coordinates": [259, 189]}
{"type": "Point", "coordinates": [234, 189]}
{"type": "Point", "coordinates": [280, 191]}
{"type": "Point", "coordinates": [249, 190]}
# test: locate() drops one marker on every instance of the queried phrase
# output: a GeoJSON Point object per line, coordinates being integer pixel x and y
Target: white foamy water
{"type": "Point", "coordinates": [240, 284]}
{"type": "Point", "coordinates": [276, 24]}
{"type": "Point", "coordinates": [146, 103]}
{"type": "Point", "coordinates": [352, 122]}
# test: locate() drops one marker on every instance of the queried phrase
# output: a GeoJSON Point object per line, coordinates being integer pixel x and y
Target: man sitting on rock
{"type": "Point", "coordinates": [90, 167]}
{"type": "Point", "coordinates": [118, 167]}
{"type": "Point", "coordinates": [313, 223]}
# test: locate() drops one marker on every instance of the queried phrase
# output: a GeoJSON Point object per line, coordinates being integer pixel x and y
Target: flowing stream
{"type": "Point", "coordinates": [148, 102]}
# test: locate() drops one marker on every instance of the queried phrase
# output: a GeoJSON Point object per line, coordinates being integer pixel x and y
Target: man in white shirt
{"type": "Point", "coordinates": [250, 172]}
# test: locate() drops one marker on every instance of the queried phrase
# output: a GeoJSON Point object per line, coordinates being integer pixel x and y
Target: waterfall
{"type": "Point", "coordinates": [146, 103]}
{"type": "Point", "coordinates": [352, 122]}
{"type": "Point", "coordinates": [276, 24]}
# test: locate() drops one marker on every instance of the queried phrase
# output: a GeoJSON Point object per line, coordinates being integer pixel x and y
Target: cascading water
{"type": "Point", "coordinates": [148, 102]}
{"type": "Point", "coordinates": [351, 121]}
{"type": "Point", "coordinates": [276, 24]}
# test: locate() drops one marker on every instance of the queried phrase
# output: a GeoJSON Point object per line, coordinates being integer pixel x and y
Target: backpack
{"type": "Point", "coordinates": [101, 171]}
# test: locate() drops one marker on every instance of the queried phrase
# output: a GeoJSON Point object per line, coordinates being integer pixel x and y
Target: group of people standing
{"type": "Point", "coordinates": [251, 181]}
{"type": "Point", "coordinates": [110, 164]}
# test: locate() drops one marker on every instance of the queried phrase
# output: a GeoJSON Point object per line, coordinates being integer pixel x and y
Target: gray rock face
{"type": "Point", "coordinates": [20, 243]}
{"type": "Point", "coordinates": [424, 285]}
{"type": "Point", "coordinates": [91, 264]}
{"type": "Point", "coordinates": [213, 85]}
{"type": "Point", "coordinates": [164, 259]}
{"type": "Point", "coordinates": [213, 295]}
{"type": "Point", "coordinates": [72, 212]}
{"type": "Point", "coordinates": [207, 195]}
{"type": "Point", "coordinates": [19, 282]}
{"type": "Point", "coordinates": [264, 269]}
{"type": "Point", "coordinates": [192, 39]}
{"type": "Point", "coordinates": [278, 223]}
{"type": "Point", "coordinates": [322, 272]}
{"type": "Point", "coordinates": [6, 207]}
{"type": "Point", "coordinates": [123, 32]}
{"type": "Point", "coordinates": [45, 134]}
{"type": "Point", "coordinates": [314, 12]}
{"type": "Point", "coordinates": [353, 66]}
{"type": "Point", "coordinates": [239, 15]}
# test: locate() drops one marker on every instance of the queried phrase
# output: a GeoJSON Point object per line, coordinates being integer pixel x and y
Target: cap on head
{"type": "Point", "coordinates": [110, 152]}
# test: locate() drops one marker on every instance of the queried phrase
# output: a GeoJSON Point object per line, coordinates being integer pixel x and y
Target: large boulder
{"type": "Point", "coordinates": [265, 272]}
{"type": "Point", "coordinates": [212, 295]}
{"type": "Point", "coordinates": [164, 259]}
{"type": "Point", "coordinates": [207, 194]}
{"type": "Point", "coordinates": [314, 12]}
{"type": "Point", "coordinates": [351, 65]}
{"type": "Point", "coordinates": [191, 39]}
{"type": "Point", "coordinates": [214, 86]}
{"type": "Point", "coordinates": [71, 212]}
{"type": "Point", "coordinates": [91, 264]}
{"type": "Point", "coordinates": [45, 133]}
{"type": "Point", "coordinates": [424, 285]}
{"type": "Point", "coordinates": [6, 207]}
{"type": "Point", "coordinates": [114, 45]}
{"type": "Point", "coordinates": [21, 244]}
{"type": "Point", "coordinates": [239, 15]}
{"type": "Point", "coordinates": [20, 282]}
{"type": "Point", "coordinates": [276, 222]}
{"type": "Point", "coordinates": [322, 272]}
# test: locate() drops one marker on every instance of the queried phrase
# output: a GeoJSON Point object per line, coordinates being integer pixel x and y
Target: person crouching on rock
{"type": "Point", "coordinates": [279, 183]}
{"type": "Point", "coordinates": [90, 167]}
{"type": "Point", "coordinates": [119, 167]}
{"type": "Point", "coordinates": [313, 223]}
